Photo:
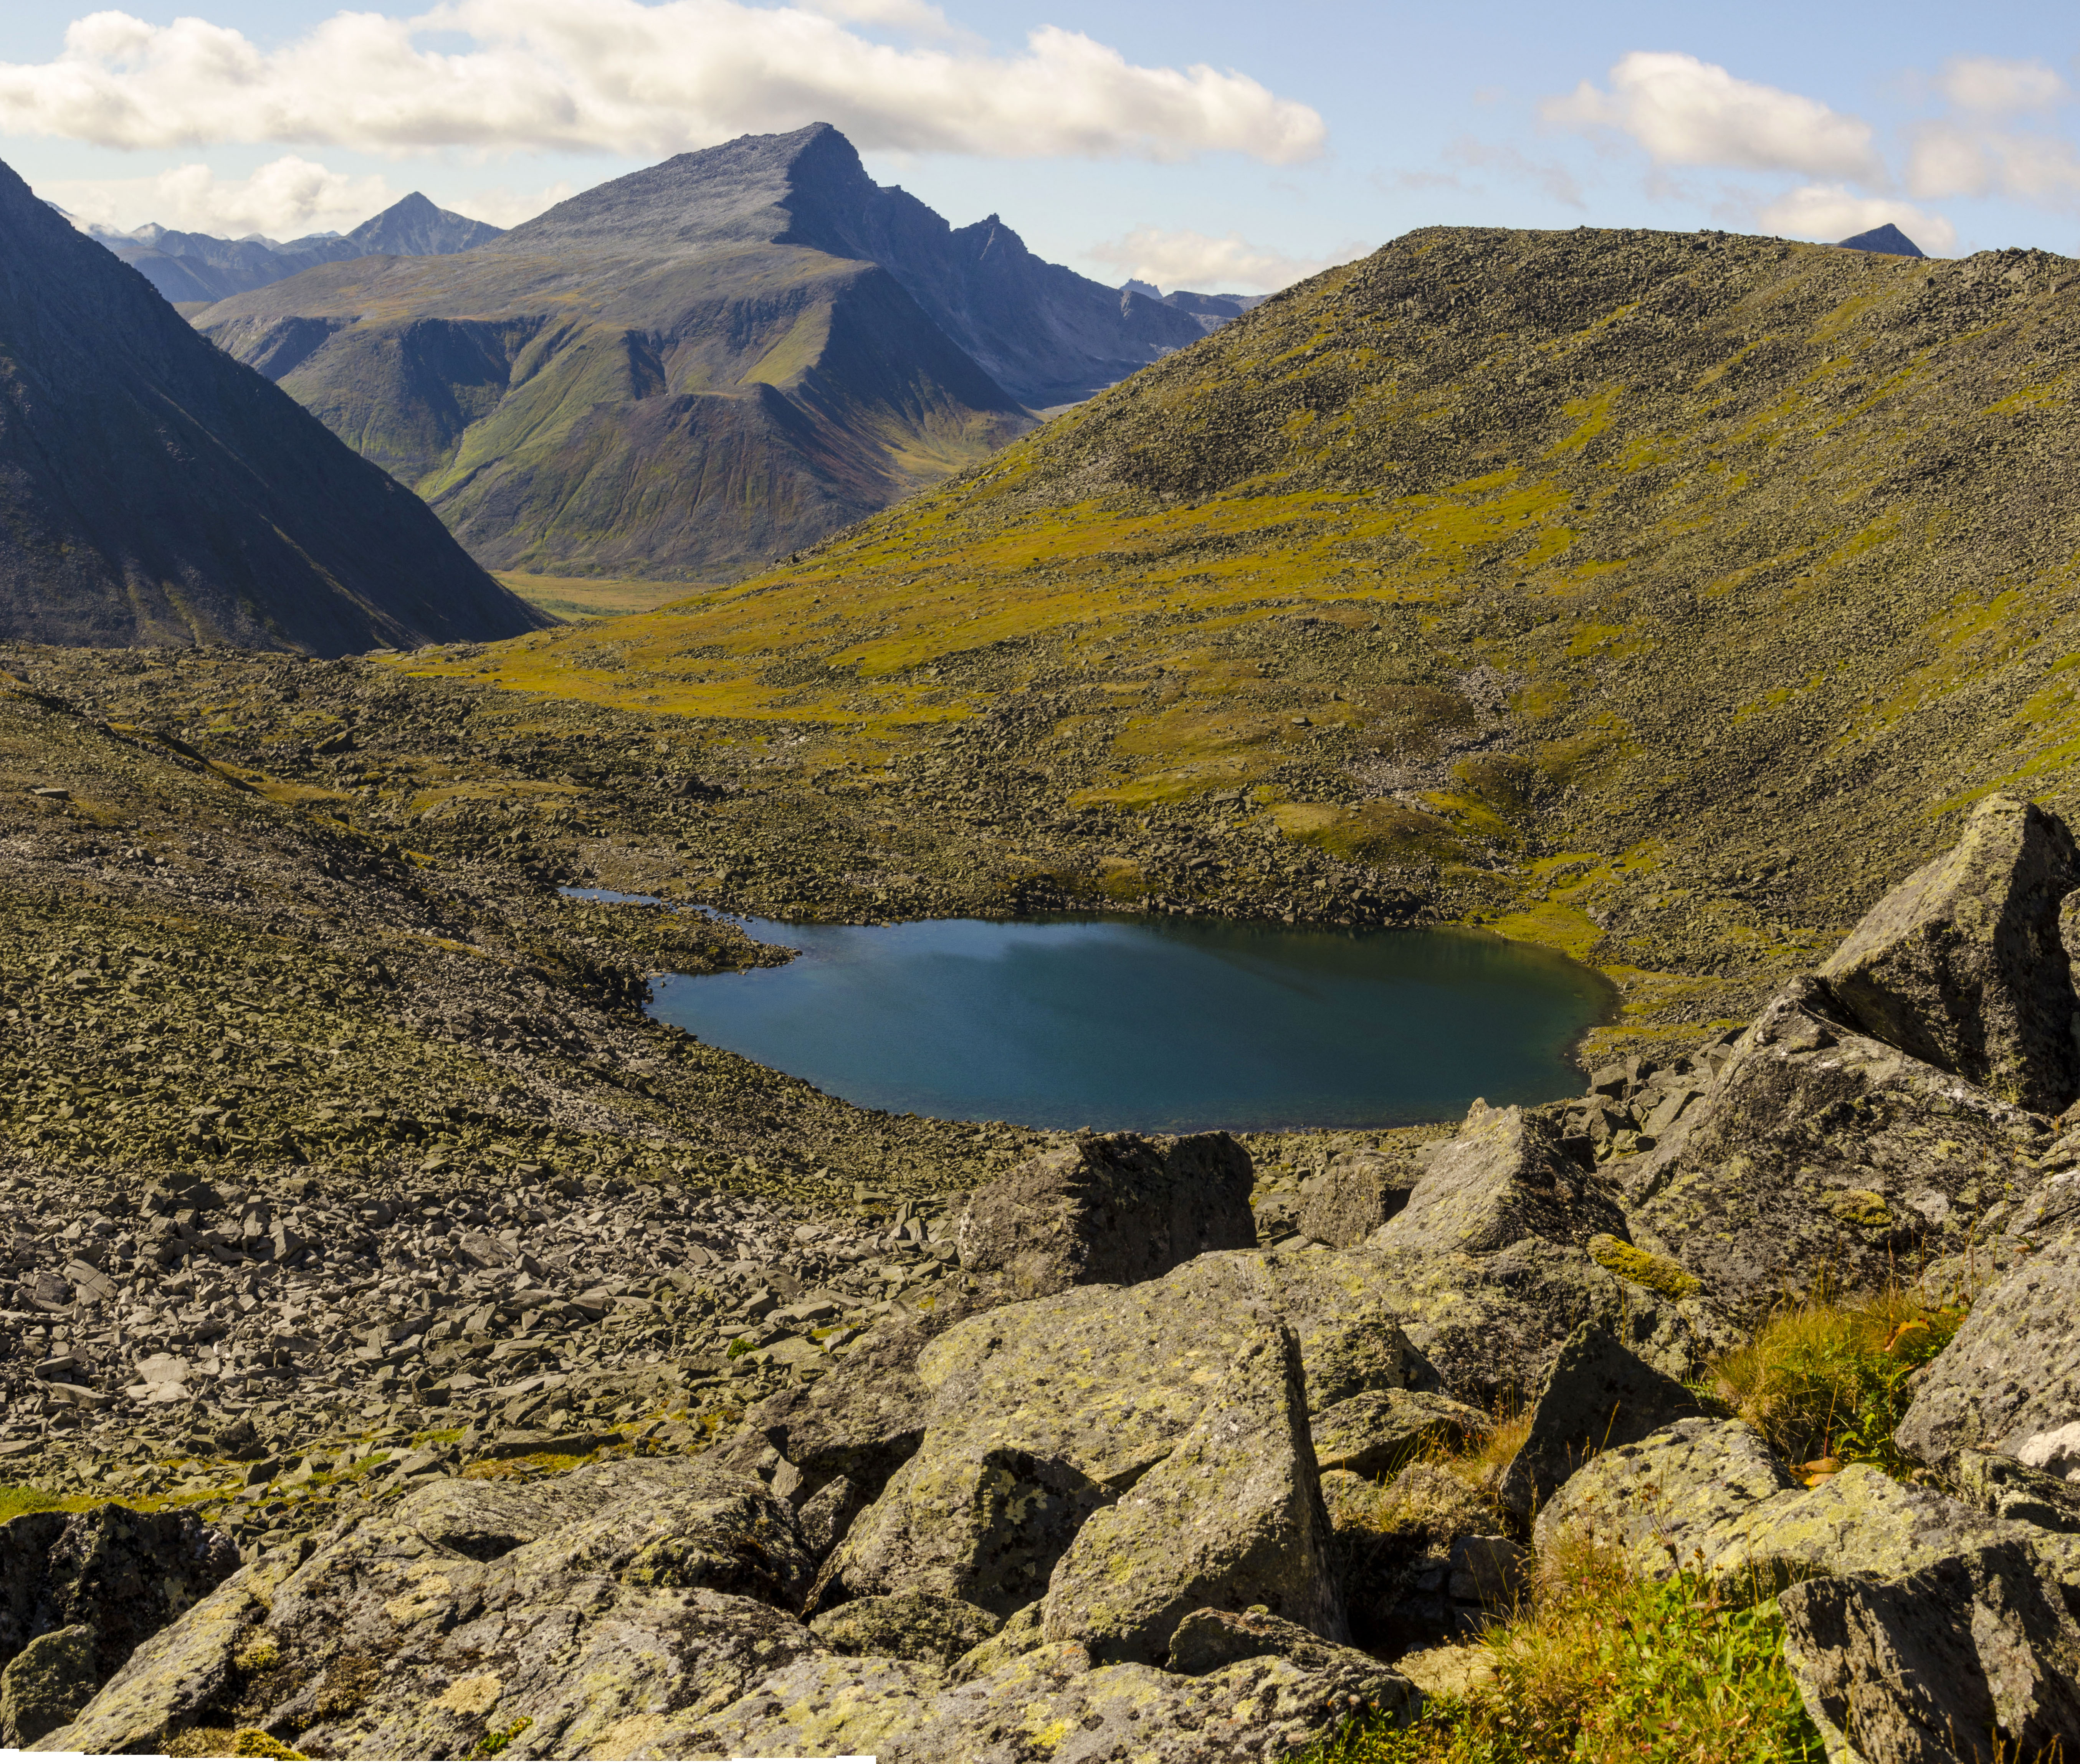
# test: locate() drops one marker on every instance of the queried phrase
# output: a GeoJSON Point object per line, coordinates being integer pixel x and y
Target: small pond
{"type": "Point", "coordinates": [1161, 1023]}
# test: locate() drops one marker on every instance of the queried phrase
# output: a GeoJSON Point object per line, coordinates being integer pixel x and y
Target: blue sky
{"type": "Point", "coordinates": [1200, 145]}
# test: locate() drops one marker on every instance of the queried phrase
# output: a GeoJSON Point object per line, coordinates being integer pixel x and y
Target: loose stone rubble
{"type": "Point", "coordinates": [1140, 1449]}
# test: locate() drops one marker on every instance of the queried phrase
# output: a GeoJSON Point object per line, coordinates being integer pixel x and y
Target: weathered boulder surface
{"type": "Point", "coordinates": [1232, 1518]}
{"type": "Point", "coordinates": [2009, 1380]}
{"type": "Point", "coordinates": [1598, 1395]}
{"type": "Point", "coordinates": [1504, 1176]}
{"type": "Point", "coordinates": [48, 1683]}
{"type": "Point", "coordinates": [1377, 1432]}
{"type": "Point", "coordinates": [1420, 1560]}
{"type": "Point", "coordinates": [910, 1626]}
{"type": "Point", "coordinates": [644, 1615]}
{"type": "Point", "coordinates": [1818, 1148]}
{"type": "Point", "coordinates": [1970, 1657]}
{"type": "Point", "coordinates": [1044, 1414]}
{"type": "Point", "coordinates": [1962, 964]}
{"type": "Point", "coordinates": [1352, 1199]}
{"type": "Point", "coordinates": [119, 1573]}
{"type": "Point", "coordinates": [1110, 1210]}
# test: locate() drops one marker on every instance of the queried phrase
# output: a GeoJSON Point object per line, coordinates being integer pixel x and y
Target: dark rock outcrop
{"type": "Point", "coordinates": [153, 491]}
{"type": "Point", "coordinates": [1962, 964]}
{"type": "Point", "coordinates": [1111, 1210]}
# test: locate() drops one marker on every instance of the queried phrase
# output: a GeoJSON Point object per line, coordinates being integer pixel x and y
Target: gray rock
{"type": "Point", "coordinates": [1231, 1517]}
{"type": "Point", "coordinates": [48, 1683]}
{"type": "Point", "coordinates": [1206, 1640]}
{"type": "Point", "coordinates": [1504, 1177]}
{"type": "Point", "coordinates": [1377, 1432]}
{"type": "Point", "coordinates": [1962, 964]}
{"type": "Point", "coordinates": [120, 1573]}
{"type": "Point", "coordinates": [1598, 1395]}
{"type": "Point", "coordinates": [1358, 1193]}
{"type": "Point", "coordinates": [1112, 1208]}
{"type": "Point", "coordinates": [2008, 1489]}
{"type": "Point", "coordinates": [1967, 1658]}
{"type": "Point", "coordinates": [1816, 1147]}
{"type": "Point", "coordinates": [909, 1626]}
{"type": "Point", "coordinates": [2009, 1380]}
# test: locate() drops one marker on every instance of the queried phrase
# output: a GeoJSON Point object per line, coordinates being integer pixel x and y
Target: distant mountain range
{"type": "Point", "coordinates": [1210, 310]}
{"type": "Point", "coordinates": [153, 490]}
{"type": "Point", "coordinates": [188, 266]}
{"type": "Point", "coordinates": [690, 370]}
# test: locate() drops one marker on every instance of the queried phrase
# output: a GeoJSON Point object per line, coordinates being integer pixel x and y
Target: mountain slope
{"type": "Point", "coordinates": [1665, 591]}
{"type": "Point", "coordinates": [201, 266]}
{"type": "Point", "coordinates": [153, 491]}
{"type": "Point", "coordinates": [692, 370]}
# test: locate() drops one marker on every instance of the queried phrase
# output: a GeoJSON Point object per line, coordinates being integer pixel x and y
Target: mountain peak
{"type": "Point", "coordinates": [415, 226]}
{"type": "Point", "coordinates": [1887, 238]}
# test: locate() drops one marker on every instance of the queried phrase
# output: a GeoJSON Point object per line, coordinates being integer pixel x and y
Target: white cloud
{"type": "Point", "coordinates": [634, 79]}
{"type": "Point", "coordinates": [1206, 265]}
{"type": "Point", "coordinates": [1981, 83]}
{"type": "Point", "coordinates": [1949, 159]}
{"type": "Point", "coordinates": [1687, 112]}
{"type": "Point", "coordinates": [1830, 211]}
{"type": "Point", "coordinates": [288, 197]}
{"type": "Point", "coordinates": [500, 205]}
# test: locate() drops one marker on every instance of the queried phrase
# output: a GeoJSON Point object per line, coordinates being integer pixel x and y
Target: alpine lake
{"type": "Point", "coordinates": [1163, 1024]}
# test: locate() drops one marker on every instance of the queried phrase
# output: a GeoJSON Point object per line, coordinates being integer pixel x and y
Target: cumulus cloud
{"type": "Point", "coordinates": [1687, 112]}
{"type": "Point", "coordinates": [1995, 87]}
{"type": "Point", "coordinates": [635, 79]}
{"type": "Point", "coordinates": [1831, 212]}
{"type": "Point", "coordinates": [1950, 159]}
{"type": "Point", "coordinates": [1206, 265]}
{"type": "Point", "coordinates": [282, 199]}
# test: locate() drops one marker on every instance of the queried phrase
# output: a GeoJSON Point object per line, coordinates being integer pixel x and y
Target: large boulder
{"type": "Point", "coordinates": [1377, 1432]}
{"type": "Point", "coordinates": [1041, 1415]}
{"type": "Point", "coordinates": [1232, 1518]}
{"type": "Point", "coordinates": [1352, 1199]}
{"type": "Point", "coordinates": [626, 1610]}
{"type": "Point", "coordinates": [1109, 1209]}
{"type": "Point", "coordinates": [47, 1684]}
{"type": "Point", "coordinates": [2009, 1380]}
{"type": "Point", "coordinates": [1598, 1395]}
{"type": "Point", "coordinates": [1969, 1658]}
{"type": "Point", "coordinates": [120, 1574]}
{"type": "Point", "coordinates": [1505, 1176]}
{"type": "Point", "coordinates": [1817, 1148]}
{"type": "Point", "coordinates": [1962, 964]}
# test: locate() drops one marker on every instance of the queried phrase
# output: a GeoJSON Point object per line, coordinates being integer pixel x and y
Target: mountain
{"type": "Point", "coordinates": [201, 266]}
{"type": "Point", "coordinates": [1211, 310]}
{"type": "Point", "coordinates": [1887, 238]}
{"type": "Point", "coordinates": [688, 371]}
{"type": "Point", "coordinates": [153, 490]}
{"type": "Point", "coordinates": [1665, 593]}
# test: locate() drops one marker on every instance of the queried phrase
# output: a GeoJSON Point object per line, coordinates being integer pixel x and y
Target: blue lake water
{"type": "Point", "coordinates": [1161, 1024]}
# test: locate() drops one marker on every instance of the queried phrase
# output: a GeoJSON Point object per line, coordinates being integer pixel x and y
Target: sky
{"type": "Point", "coordinates": [1208, 144]}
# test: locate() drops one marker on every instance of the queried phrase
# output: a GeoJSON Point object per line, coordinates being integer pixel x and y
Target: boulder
{"type": "Point", "coordinates": [122, 1575]}
{"type": "Point", "coordinates": [1962, 964]}
{"type": "Point", "coordinates": [1970, 1657]}
{"type": "Point", "coordinates": [2008, 1489]}
{"type": "Point", "coordinates": [48, 1683]}
{"type": "Point", "coordinates": [1505, 1176]}
{"type": "Point", "coordinates": [2009, 1380]}
{"type": "Point", "coordinates": [1357, 1194]}
{"type": "Point", "coordinates": [910, 1626]}
{"type": "Point", "coordinates": [1377, 1432]}
{"type": "Point", "coordinates": [1665, 1501]}
{"type": "Point", "coordinates": [1207, 1640]}
{"type": "Point", "coordinates": [1041, 1413]}
{"type": "Point", "coordinates": [1598, 1394]}
{"type": "Point", "coordinates": [1816, 1147]}
{"type": "Point", "coordinates": [597, 1639]}
{"type": "Point", "coordinates": [1231, 1517]}
{"type": "Point", "coordinates": [1111, 1210]}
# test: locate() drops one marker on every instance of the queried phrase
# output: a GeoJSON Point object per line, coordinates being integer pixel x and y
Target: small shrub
{"type": "Point", "coordinates": [497, 1739]}
{"type": "Point", "coordinates": [1824, 1380]}
{"type": "Point", "coordinates": [251, 1742]}
{"type": "Point", "coordinates": [1602, 1668]}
